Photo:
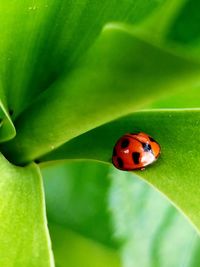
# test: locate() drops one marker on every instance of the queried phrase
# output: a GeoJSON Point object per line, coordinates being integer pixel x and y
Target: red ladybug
{"type": "Point", "coordinates": [135, 151]}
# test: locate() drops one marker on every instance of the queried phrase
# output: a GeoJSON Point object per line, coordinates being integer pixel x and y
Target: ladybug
{"type": "Point", "coordinates": [135, 151]}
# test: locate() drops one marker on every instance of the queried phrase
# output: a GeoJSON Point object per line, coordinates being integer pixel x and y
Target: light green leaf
{"type": "Point", "coordinates": [146, 226]}
{"type": "Point", "coordinates": [7, 129]}
{"type": "Point", "coordinates": [120, 74]}
{"type": "Point", "coordinates": [71, 249]}
{"type": "Point", "coordinates": [152, 229]}
{"type": "Point", "coordinates": [24, 29]}
{"type": "Point", "coordinates": [176, 173]}
{"type": "Point", "coordinates": [42, 39]}
{"type": "Point", "coordinates": [189, 98]}
{"type": "Point", "coordinates": [24, 238]}
{"type": "Point", "coordinates": [77, 199]}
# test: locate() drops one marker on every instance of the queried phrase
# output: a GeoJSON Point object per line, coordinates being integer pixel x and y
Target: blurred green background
{"type": "Point", "coordinates": [99, 216]}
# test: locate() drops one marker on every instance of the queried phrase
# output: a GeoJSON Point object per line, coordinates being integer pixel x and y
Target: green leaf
{"type": "Point", "coordinates": [145, 225]}
{"type": "Point", "coordinates": [152, 229]}
{"type": "Point", "coordinates": [176, 173]}
{"type": "Point", "coordinates": [76, 197]}
{"type": "Point", "coordinates": [7, 129]}
{"type": "Point", "coordinates": [71, 249]}
{"type": "Point", "coordinates": [156, 26]}
{"type": "Point", "coordinates": [183, 32]}
{"type": "Point", "coordinates": [189, 98]}
{"type": "Point", "coordinates": [120, 74]}
{"type": "Point", "coordinates": [24, 239]}
{"type": "Point", "coordinates": [185, 27]}
{"type": "Point", "coordinates": [24, 31]}
{"type": "Point", "coordinates": [50, 37]}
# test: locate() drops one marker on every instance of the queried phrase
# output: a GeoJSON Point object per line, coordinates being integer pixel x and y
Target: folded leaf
{"type": "Point", "coordinates": [24, 238]}
{"type": "Point", "coordinates": [42, 39]}
{"type": "Point", "coordinates": [183, 31]}
{"type": "Point", "coordinates": [121, 73]}
{"type": "Point", "coordinates": [184, 28]}
{"type": "Point", "coordinates": [176, 173]}
{"type": "Point", "coordinates": [7, 129]}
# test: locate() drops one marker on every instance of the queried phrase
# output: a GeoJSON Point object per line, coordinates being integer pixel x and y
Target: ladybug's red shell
{"type": "Point", "coordinates": [135, 151]}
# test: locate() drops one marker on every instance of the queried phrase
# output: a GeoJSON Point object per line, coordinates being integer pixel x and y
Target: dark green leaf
{"type": "Point", "coordinates": [185, 27]}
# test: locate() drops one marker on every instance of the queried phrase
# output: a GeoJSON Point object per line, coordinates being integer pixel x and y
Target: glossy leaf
{"type": "Point", "coordinates": [58, 91]}
{"type": "Point", "coordinates": [42, 39]}
{"type": "Point", "coordinates": [176, 172]}
{"type": "Point", "coordinates": [145, 225]}
{"type": "Point", "coordinates": [133, 73]}
{"type": "Point", "coordinates": [24, 238]}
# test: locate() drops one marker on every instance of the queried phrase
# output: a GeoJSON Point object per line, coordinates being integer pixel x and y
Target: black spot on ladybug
{"type": "Point", "coordinates": [114, 152]}
{"type": "Point", "coordinates": [136, 156]}
{"type": "Point", "coordinates": [146, 147]}
{"type": "Point", "coordinates": [120, 163]}
{"type": "Point", "coordinates": [151, 139]}
{"type": "Point", "coordinates": [124, 143]}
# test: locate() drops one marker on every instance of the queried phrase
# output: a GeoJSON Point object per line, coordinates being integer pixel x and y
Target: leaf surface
{"type": "Point", "coordinates": [77, 199]}
{"type": "Point", "coordinates": [42, 39]}
{"type": "Point", "coordinates": [151, 228]}
{"type": "Point", "coordinates": [72, 249]}
{"type": "Point", "coordinates": [120, 74]}
{"type": "Point", "coordinates": [7, 129]}
{"type": "Point", "coordinates": [145, 225]}
{"type": "Point", "coordinates": [176, 173]}
{"type": "Point", "coordinates": [24, 238]}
